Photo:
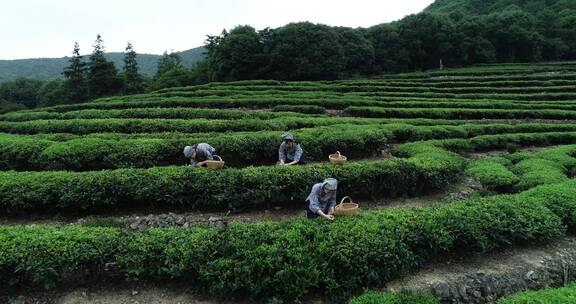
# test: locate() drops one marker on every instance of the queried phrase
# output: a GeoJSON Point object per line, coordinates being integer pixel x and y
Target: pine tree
{"type": "Point", "coordinates": [133, 82]}
{"type": "Point", "coordinates": [75, 74]}
{"type": "Point", "coordinates": [167, 63]}
{"type": "Point", "coordinates": [170, 72]}
{"type": "Point", "coordinates": [103, 77]}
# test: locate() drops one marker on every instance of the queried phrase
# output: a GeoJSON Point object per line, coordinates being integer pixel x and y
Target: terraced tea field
{"type": "Point", "coordinates": [78, 179]}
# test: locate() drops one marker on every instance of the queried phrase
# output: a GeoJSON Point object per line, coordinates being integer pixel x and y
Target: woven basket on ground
{"type": "Point", "coordinates": [346, 209]}
{"type": "Point", "coordinates": [215, 164]}
{"type": "Point", "coordinates": [337, 158]}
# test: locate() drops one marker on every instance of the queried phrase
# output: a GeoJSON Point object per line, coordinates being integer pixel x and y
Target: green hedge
{"type": "Point", "coordinates": [107, 151]}
{"type": "Point", "coordinates": [291, 259]}
{"type": "Point", "coordinates": [110, 151]}
{"type": "Point", "coordinates": [493, 175]}
{"type": "Point", "coordinates": [374, 93]}
{"type": "Point", "coordinates": [547, 296]}
{"type": "Point", "coordinates": [81, 126]}
{"type": "Point", "coordinates": [501, 141]}
{"type": "Point", "coordinates": [254, 148]}
{"type": "Point", "coordinates": [307, 109]}
{"type": "Point", "coordinates": [373, 297]}
{"type": "Point", "coordinates": [426, 169]}
{"type": "Point", "coordinates": [524, 97]}
{"type": "Point", "coordinates": [534, 172]}
{"type": "Point", "coordinates": [423, 79]}
{"type": "Point", "coordinates": [458, 113]}
{"type": "Point", "coordinates": [548, 166]}
{"type": "Point", "coordinates": [489, 104]}
{"type": "Point", "coordinates": [238, 149]}
{"type": "Point", "coordinates": [330, 101]}
{"type": "Point", "coordinates": [165, 113]}
{"type": "Point", "coordinates": [345, 87]}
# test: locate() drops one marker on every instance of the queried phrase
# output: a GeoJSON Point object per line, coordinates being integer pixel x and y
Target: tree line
{"type": "Point", "coordinates": [307, 51]}
{"type": "Point", "coordinates": [97, 77]}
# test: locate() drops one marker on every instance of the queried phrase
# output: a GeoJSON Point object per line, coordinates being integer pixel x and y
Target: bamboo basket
{"type": "Point", "coordinates": [346, 209]}
{"type": "Point", "coordinates": [337, 158]}
{"type": "Point", "coordinates": [215, 164]}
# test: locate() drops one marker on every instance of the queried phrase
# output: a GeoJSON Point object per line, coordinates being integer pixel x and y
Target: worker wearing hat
{"type": "Point", "coordinates": [290, 152]}
{"type": "Point", "coordinates": [322, 199]}
{"type": "Point", "coordinates": [199, 154]}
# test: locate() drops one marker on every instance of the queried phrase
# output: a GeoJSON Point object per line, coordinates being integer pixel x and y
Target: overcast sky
{"type": "Point", "coordinates": [43, 28]}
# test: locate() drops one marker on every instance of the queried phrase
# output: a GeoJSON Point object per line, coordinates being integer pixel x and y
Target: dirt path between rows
{"type": "Point", "coordinates": [144, 220]}
{"type": "Point", "coordinates": [486, 278]}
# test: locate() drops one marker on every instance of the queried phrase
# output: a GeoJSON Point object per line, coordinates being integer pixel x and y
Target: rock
{"type": "Point", "coordinates": [454, 196]}
{"type": "Point", "coordinates": [134, 292]}
{"type": "Point", "coordinates": [474, 183]}
{"type": "Point", "coordinates": [134, 225]}
{"type": "Point", "coordinates": [442, 290]}
{"type": "Point", "coordinates": [111, 266]}
{"type": "Point", "coordinates": [476, 294]}
{"type": "Point", "coordinates": [214, 219]}
{"type": "Point", "coordinates": [278, 208]}
{"type": "Point", "coordinates": [218, 222]}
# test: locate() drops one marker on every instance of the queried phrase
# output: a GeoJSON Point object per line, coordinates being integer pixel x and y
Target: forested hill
{"type": "Point", "coordinates": [51, 68]}
{"type": "Point", "coordinates": [483, 7]}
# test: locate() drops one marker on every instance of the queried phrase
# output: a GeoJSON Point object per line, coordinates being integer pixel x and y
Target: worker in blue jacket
{"type": "Point", "coordinates": [290, 152]}
{"type": "Point", "coordinates": [322, 199]}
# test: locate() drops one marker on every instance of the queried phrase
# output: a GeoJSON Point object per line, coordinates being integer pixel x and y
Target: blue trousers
{"type": "Point", "coordinates": [213, 156]}
{"type": "Point", "coordinates": [301, 162]}
{"type": "Point", "coordinates": [312, 215]}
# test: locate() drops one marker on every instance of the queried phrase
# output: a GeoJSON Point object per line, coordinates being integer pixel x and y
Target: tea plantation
{"type": "Point", "coordinates": [124, 154]}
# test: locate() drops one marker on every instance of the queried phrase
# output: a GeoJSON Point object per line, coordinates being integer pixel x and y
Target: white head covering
{"type": "Point", "coordinates": [188, 151]}
{"type": "Point", "coordinates": [288, 137]}
{"type": "Point", "coordinates": [330, 184]}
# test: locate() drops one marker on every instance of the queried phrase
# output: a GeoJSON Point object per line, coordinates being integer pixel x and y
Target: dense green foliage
{"type": "Point", "coordinates": [493, 175]}
{"type": "Point", "coordinates": [426, 168]}
{"type": "Point", "coordinates": [133, 81]}
{"type": "Point", "coordinates": [448, 33]}
{"type": "Point", "coordinates": [472, 7]}
{"type": "Point", "coordinates": [308, 109]}
{"type": "Point", "coordinates": [548, 166]}
{"type": "Point", "coordinates": [547, 296]}
{"type": "Point", "coordinates": [295, 258]}
{"type": "Point", "coordinates": [445, 113]}
{"type": "Point", "coordinates": [108, 151]}
{"type": "Point", "coordinates": [86, 79]}
{"type": "Point", "coordinates": [124, 153]}
{"type": "Point", "coordinates": [373, 297]}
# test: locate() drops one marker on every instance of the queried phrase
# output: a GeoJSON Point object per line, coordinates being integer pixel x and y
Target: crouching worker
{"type": "Point", "coordinates": [322, 199]}
{"type": "Point", "coordinates": [290, 152]}
{"type": "Point", "coordinates": [199, 154]}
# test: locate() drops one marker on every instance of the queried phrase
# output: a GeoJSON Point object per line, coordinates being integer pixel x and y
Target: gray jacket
{"type": "Point", "coordinates": [318, 200]}
{"type": "Point", "coordinates": [294, 155]}
{"type": "Point", "coordinates": [204, 152]}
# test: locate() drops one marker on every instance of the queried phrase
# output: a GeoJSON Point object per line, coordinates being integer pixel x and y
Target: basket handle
{"type": "Point", "coordinates": [219, 157]}
{"type": "Point", "coordinates": [339, 155]}
{"type": "Point", "coordinates": [344, 198]}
